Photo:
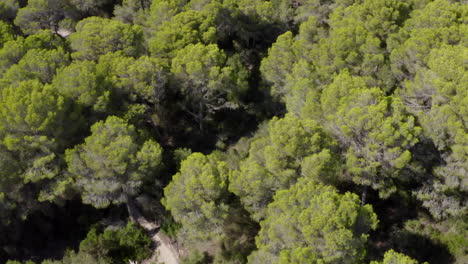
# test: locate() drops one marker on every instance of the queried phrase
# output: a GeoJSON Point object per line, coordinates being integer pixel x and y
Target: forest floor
{"type": "Point", "coordinates": [164, 253]}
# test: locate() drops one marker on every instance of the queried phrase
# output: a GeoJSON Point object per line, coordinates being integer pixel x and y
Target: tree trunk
{"type": "Point", "coordinates": [364, 196]}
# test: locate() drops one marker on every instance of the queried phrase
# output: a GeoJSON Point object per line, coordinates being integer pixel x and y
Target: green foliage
{"type": "Point", "coordinates": [42, 14]}
{"type": "Point", "coordinates": [186, 28]}
{"type": "Point", "coordinates": [392, 257]}
{"type": "Point", "coordinates": [142, 79]}
{"type": "Point", "coordinates": [34, 122]}
{"type": "Point", "coordinates": [438, 95]}
{"type": "Point", "coordinates": [162, 11]}
{"type": "Point", "coordinates": [6, 33]}
{"type": "Point", "coordinates": [97, 36]}
{"type": "Point", "coordinates": [196, 257]}
{"type": "Point", "coordinates": [297, 12]}
{"type": "Point", "coordinates": [275, 161]}
{"type": "Point", "coordinates": [170, 227]}
{"type": "Point", "coordinates": [377, 132]}
{"type": "Point", "coordinates": [39, 64]}
{"type": "Point", "coordinates": [313, 223]}
{"type": "Point", "coordinates": [439, 22]}
{"type": "Point", "coordinates": [208, 80]}
{"type": "Point", "coordinates": [113, 163]}
{"type": "Point", "coordinates": [31, 125]}
{"type": "Point", "coordinates": [279, 63]}
{"type": "Point", "coordinates": [133, 11]}
{"type": "Point", "coordinates": [117, 245]}
{"type": "Point", "coordinates": [8, 9]}
{"type": "Point", "coordinates": [89, 6]}
{"type": "Point", "coordinates": [197, 196]}
{"type": "Point", "coordinates": [368, 94]}
{"type": "Point", "coordinates": [450, 232]}
{"type": "Point", "coordinates": [80, 83]}
{"type": "Point", "coordinates": [14, 50]}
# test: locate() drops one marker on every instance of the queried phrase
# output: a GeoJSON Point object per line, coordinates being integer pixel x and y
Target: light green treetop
{"type": "Point", "coordinates": [197, 196]}
{"type": "Point", "coordinates": [96, 36]}
{"type": "Point", "coordinates": [39, 64]}
{"type": "Point", "coordinates": [313, 223]}
{"type": "Point", "coordinates": [393, 257]}
{"type": "Point", "coordinates": [376, 131]}
{"type": "Point", "coordinates": [189, 27]}
{"type": "Point", "coordinates": [275, 161]}
{"type": "Point", "coordinates": [112, 164]}
{"type": "Point", "coordinates": [80, 82]}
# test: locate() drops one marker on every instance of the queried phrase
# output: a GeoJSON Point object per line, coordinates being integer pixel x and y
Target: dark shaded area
{"type": "Point", "coordinates": [393, 213]}
{"type": "Point", "coordinates": [420, 247]}
{"type": "Point", "coordinates": [240, 231]}
{"type": "Point", "coordinates": [47, 234]}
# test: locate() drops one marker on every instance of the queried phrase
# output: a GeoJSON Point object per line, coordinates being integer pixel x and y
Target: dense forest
{"type": "Point", "coordinates": [245, 131]}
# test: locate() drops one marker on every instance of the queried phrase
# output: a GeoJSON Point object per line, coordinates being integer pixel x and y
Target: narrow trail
{"type": "Point", "coordinates": [165, 251]}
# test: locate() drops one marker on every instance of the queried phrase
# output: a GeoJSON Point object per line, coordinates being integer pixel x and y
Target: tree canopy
{"type": "Point", "coordinates": [238, 131]}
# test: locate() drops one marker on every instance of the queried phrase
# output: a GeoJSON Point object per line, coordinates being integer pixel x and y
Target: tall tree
{"type": "Point", "coordinates": [42, 14]}
{"type": "Point", "coordinates": [361, 31]}
{"type": "Point", "coordinates": [133, 11]}
{"type": "Point", "coordinates": [89, 6]}
{"type": "Point", "coordinates": [14, 50]}
{"type": "Point", "coordinates": [144, 79]}
{"type": "Point", "coordinates": [313, 223]}
{"type": "Point", "coordinates": [190, 27]}
{"type": "Point", "coordinates": [376, 131]}
{"type": "Point", "coordinates": [439, 22]}
{"type": "Point", "coordinates": [438, 95]}
{"type": "Point", "coordinates": [275, 162]}
{"type": "Point", "coordinates": [113, 163]}
{"type": "Point", "coordinates": [36, 125]}
{"type": "Point", "coordinates": [208, 80]}
{"type": "Point", "coordinates": [162, 11]}
{"type": "Point", "coordinates": [39, 64]}
{"type": "Point", "coordinates": [80, 82]}
{"type": "Point", "coordinates": [279, 63]}
{"type": "Point", "coordinates": [197, 197]}
{"type": "Point", "coordinates": [96, 36]}
{"type": "Point", "coordinates": [31, 125]}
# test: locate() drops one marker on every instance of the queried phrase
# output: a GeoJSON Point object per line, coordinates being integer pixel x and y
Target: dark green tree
{"type": "Point", "coordinates": [208, 80]}
{"type": "Point", "coordinates": [42, 14]}
{"type": "Point", "coordinates": [133, 11]}
{"type": "Point", "coordinates": [8, 10]}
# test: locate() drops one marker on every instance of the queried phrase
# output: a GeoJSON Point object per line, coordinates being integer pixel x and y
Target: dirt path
{"type": "Point", "coordinates": [165, 251]}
